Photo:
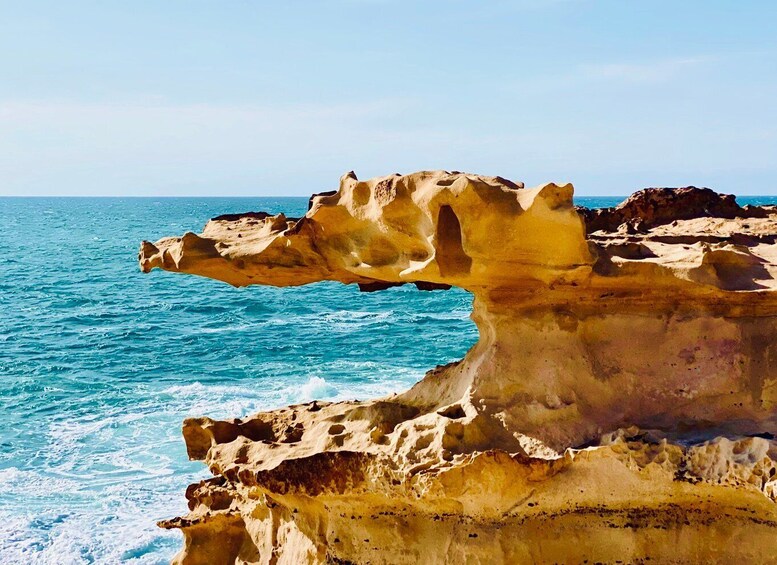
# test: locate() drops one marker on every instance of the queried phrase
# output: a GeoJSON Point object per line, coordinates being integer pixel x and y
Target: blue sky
{"type": "Point", "coordinates": [280, 98]}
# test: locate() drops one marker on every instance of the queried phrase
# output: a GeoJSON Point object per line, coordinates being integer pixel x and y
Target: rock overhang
{"type": "Point", "coordinates": [627, 330]}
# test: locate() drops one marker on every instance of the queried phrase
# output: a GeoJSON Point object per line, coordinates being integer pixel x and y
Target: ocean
{"type": "Point", "coordinates": [100, 364]}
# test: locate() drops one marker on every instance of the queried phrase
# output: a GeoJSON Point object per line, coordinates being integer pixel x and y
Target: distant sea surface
{"type": "Point", "coordinates": [99, 365]}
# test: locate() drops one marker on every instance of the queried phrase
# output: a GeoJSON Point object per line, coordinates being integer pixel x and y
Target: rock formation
{"type": "Point", "coordinates": [619, 406]}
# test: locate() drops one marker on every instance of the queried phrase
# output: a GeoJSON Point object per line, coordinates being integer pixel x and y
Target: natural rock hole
{"type": "Point", "coordinates": [453, 412]}
{"type": "Point", "coordinates": [451, 257]}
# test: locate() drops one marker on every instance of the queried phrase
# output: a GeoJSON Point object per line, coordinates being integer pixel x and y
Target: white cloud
{"type": "Point", "coordinates": [560, 130]}
{"type": "Point", "coordinates": [649, 72]}
{"type": "Point", "coordinates": [110, 148]}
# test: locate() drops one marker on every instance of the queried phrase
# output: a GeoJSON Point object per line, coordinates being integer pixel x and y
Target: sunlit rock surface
{"type": "Point", "coordinates": [620, 404]}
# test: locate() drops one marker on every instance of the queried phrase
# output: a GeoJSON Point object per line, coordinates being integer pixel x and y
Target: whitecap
{"type": "Point", "coordinates": [317, 388]}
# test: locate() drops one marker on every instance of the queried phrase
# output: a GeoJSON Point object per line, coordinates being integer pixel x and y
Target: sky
{"type": "Point", "coordinates": [255, 98]}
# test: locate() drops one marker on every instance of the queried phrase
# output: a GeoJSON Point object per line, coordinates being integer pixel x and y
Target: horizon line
{"type": "Point", "coordinates": [170, 196]}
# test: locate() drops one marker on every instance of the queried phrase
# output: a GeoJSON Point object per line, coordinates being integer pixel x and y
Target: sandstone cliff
{"type": "Point", "coordinates": [619, 406]}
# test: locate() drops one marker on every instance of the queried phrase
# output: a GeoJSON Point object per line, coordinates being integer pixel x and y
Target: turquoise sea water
{"type": "Point", "coordinates": [99, 365]}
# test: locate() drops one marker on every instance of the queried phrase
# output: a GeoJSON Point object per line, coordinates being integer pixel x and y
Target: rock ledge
{"type": "Point", "coordinates": [620, 405]}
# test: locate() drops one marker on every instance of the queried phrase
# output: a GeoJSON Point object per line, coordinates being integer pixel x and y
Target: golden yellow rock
{"type": "Point", "coordinates": [620, 405]}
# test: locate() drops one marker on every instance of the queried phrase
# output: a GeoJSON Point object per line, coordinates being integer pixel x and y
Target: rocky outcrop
{"type": "Point", "coordinates": [620, 404]}
{"type": "Point", "coordinates": [653, 207]}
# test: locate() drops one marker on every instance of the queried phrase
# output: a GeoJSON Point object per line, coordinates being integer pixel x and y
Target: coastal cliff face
{"type": "Point", "coordinates": [620, 404]}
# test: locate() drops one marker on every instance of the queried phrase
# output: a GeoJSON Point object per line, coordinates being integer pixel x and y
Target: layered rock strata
{"type": "Point", "coordinates": [619, 406]}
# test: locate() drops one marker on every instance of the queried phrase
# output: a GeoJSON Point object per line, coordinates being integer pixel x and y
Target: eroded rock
{"type": "Point", "coordinates": [620, 404]}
